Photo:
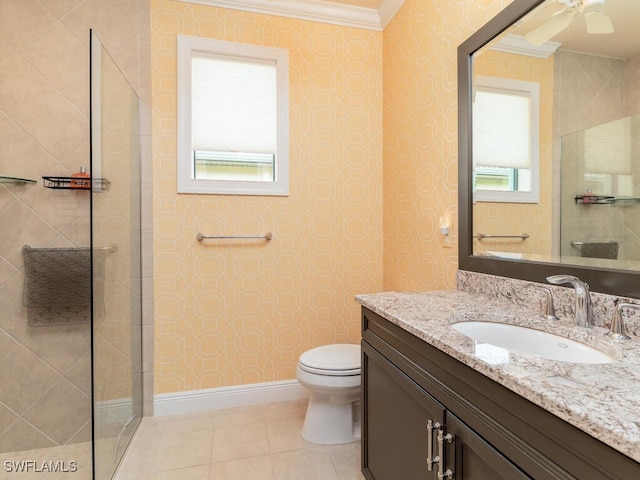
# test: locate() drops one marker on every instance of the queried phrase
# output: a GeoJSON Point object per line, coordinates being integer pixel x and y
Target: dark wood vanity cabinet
{"type": "Point", "coordinates": [403, 423]}
{"type": "Point", "coordinates": [414, 394]}
{"type": "Point", "coordinates": [397, 412]}
{"type": "Point", "coordinates": [470, 456]}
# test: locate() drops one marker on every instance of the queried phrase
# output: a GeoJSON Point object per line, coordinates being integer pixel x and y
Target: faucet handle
{"type": "Point", "coordinates": [617, 330]}
{"type": "Point", "coordinates": [549, 309]}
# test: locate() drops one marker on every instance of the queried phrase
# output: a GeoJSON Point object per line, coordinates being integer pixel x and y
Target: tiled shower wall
{"type": "Point", "coordinates": [45, 391]}
{"type": "Point", "coordinates": [592, 90]}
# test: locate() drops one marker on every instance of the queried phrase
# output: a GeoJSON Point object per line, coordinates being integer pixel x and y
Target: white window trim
{"type": "Point", "coordinates": [532, 90]}
{"type": "Point", "coordinates": [186, 181]}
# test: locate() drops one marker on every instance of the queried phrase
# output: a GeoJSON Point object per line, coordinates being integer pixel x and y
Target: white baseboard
{"type": "Point", "coordinates": [227, 397]}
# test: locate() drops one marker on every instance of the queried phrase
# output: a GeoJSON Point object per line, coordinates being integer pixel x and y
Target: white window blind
{"type": "Point", "coordinates": [506, 132]}
{"type": "Point", "coordinates": [233, 118]}
{"type": "Point", "coordinates": [234, 105]}
{"type": "Point", "coordinates": [501, 129]}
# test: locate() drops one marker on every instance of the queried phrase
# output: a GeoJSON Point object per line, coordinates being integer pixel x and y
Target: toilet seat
{"type": "Point", "coordinates": [333, 360]}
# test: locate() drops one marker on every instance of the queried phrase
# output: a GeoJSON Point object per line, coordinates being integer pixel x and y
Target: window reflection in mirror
{"type": "Point", "coordinates": [506, 124]}
{"type": "Point", "coordinates": [512, 149]}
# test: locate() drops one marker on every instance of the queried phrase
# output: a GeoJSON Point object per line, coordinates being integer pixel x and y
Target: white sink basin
{"type": "Point", "coordinates": [531, 342]}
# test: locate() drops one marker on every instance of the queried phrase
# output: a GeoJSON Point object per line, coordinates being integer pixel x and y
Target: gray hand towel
{"type": "Point", "coordinates": [599, 250]}
{"type": "Point", "coordinates": [57, 284]}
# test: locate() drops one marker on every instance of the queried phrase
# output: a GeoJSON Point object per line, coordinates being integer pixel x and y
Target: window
{"type": "Point", "coordinates": [233, 110]}
{"type": "Point", "coordinates": [496, 178]}
{"type": "Point", "coordinates": [506, 127]}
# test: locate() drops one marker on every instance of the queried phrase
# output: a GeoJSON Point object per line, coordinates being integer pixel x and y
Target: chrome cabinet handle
{"type": "Point", "coordinates": [430, 459]}
{"type": "Point", "coordinates": [448, 474]}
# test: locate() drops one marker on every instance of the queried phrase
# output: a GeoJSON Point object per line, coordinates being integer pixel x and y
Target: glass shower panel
{"type": "Point", "coordinates": [600, 214]}
{"type": "Point", "coordinates": [116, 265]}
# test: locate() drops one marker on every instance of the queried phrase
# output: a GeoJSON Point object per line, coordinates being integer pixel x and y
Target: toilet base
{"type": "Point", "coordinates": [330, 423]}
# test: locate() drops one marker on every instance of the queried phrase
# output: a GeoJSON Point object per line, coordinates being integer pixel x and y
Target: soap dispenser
{"type": "Point", "coordinates": [80, 179]}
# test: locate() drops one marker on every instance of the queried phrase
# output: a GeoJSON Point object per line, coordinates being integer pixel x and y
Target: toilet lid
{"type": "Point", "coordinates": [337, 359]}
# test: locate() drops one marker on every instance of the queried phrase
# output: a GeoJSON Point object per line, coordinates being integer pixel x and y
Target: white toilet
{"type": "Point", "coordinates": [332, 374]}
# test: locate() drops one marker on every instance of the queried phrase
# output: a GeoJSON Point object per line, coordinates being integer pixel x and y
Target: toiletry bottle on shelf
{"type": "Point", "coordinates": [80, 179]}
{"type": "Point", "coordinates": [589, 197]}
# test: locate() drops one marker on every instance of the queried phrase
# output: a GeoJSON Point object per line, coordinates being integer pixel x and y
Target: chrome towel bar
{"type": "Point", "coordinates": [267, 236]}
{"type": "Point", "coordinates": [481, 236]}
{"type": "Point", "coordinates": [111, 249]}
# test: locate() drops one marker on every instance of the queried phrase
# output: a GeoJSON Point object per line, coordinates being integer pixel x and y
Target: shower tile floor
{"type": "Point", "coordinates": [247, 443]}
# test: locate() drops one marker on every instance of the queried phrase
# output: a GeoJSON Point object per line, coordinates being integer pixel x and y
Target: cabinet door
{"type": "Point", "coordinates": [469, 457]}
{"type": "Point", "coordinates": [395, 415]}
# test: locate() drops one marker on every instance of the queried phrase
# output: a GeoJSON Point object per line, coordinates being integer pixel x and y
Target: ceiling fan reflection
{"type": "Point", "coordinates": [596, 18]}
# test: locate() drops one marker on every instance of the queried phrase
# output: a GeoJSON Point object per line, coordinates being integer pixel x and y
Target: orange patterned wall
{"type": "Point", "coordinates": [420, 138]}
{"type": "Point", "coordinates": [230, 313]}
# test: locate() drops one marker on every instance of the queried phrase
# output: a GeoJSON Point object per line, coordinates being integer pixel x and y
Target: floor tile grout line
{"type": "Point", "coordinates": [294, 448]}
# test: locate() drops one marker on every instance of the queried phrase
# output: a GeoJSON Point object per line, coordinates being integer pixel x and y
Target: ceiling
{"type": "Point", "coordinates": [623, 43]}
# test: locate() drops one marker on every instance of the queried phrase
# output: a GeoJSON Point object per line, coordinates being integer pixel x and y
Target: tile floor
{"type": "Point", "coordinates": [23, 465]}
{"type": "Point", "coordinates": [248, 443]}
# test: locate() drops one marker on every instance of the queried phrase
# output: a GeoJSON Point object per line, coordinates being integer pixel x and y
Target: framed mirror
{"type": "Point", "coordinates": [549, 144]}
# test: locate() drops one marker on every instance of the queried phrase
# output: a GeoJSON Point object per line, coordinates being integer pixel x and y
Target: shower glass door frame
{"type": "Point", "coordinates": [116, 329]}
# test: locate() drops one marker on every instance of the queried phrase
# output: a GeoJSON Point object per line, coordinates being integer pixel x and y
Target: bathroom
{"type": "Point", "coordinates": [373, 178]}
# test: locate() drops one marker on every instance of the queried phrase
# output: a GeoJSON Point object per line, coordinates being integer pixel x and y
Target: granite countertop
{"type": "Point", "coordinates": [600, 399]}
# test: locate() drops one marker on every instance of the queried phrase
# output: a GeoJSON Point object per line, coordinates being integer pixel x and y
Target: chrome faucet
{"type": "Point", "coordinates": [617, 330]}
{"type": "Point", "coordinates": [583, 298]}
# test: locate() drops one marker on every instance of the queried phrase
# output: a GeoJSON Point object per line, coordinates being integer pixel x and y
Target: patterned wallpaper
{"type": "Point", "coordinates": [420, 138]}
{"type": "Point", "coordinates": [230, 313]}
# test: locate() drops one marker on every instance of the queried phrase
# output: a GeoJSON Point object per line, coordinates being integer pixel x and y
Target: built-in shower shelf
{"type": "Point", "coordinates": [625, 200]}
{"type": "Point", "coordinates": [592, 199]}
{"type": "Point", "coordinates": [74, 183]}
{"type": "Point", "coordinates": [604, 200]}
{"type": "Point", "coordinates": [16, 180]}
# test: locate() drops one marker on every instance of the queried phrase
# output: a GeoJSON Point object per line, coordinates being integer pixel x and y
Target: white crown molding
{"type": "Point", "coordinates": [518, 45]}
{"type": "Point", "coordinates": [316, 11]}
{"type": "Point", "coordinates": [388, 10]}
